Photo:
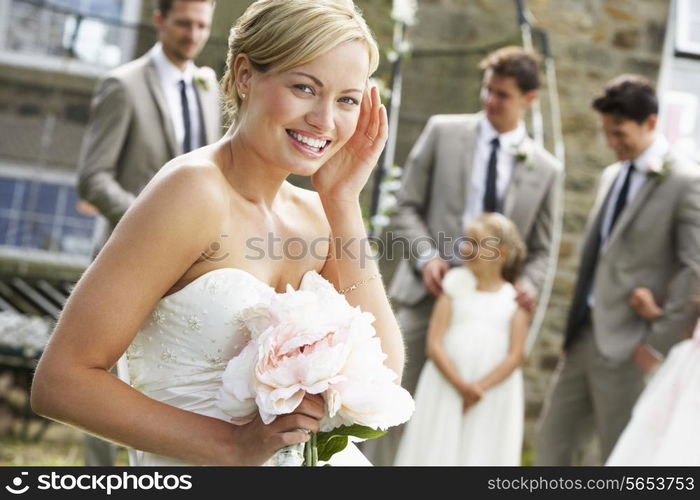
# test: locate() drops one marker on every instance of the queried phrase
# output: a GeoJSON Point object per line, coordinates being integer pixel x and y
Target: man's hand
{"type": "Point", "coordinates": [525, 298]}
{"type": "Point", "coordinates": [646, 357]}
{"type": "Point", "coordinates": [642, 301]}
{"type": "Point", "coordinates": [86, 208]}
{"type": "Point", "coordinates": [433, 272]}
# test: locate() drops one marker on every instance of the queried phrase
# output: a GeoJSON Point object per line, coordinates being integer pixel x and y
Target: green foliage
{"type": "Point", "coordinates": [330, 443]}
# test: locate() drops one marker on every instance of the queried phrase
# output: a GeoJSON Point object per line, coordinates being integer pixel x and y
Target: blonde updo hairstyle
{"type": "Point", "coordinates": [278, 35]}
{"type": "Point", "coordinates": [504, 230]}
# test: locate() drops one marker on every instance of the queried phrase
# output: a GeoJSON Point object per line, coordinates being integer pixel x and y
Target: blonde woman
{"type": "Point", "coordinates": [472, 383]}
{"type": "Point", "coordinates": [193, 249]}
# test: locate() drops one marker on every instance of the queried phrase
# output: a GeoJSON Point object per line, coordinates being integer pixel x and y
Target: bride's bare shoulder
{"type": "Point", "coordinates": [199, 179]}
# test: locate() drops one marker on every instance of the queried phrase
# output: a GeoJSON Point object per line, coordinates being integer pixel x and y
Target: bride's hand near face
{"type": "Point", "coordinates": [344, 175]}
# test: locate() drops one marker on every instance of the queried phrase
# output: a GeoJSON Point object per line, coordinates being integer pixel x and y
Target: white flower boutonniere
{"type": "Point", "coordinates": [523, 154]}
{"type": "Point", "coordinates": [204, 76]}
{"type": "Point", "coordinates": [658, 168]}
{"type": "Point", "coordinates": [201, 83]}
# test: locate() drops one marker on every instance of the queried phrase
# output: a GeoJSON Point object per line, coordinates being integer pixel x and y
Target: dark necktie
{"type": "Point", "coordinates": [580, 309]}
{"type": "Point", "coordinates": [187, 142]}
{"type": "Point", "coordinates": [490, 195]}
{"type": "Point", "coordinates": [621, 198]}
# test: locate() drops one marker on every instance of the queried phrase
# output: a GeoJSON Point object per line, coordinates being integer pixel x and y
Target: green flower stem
{"type": "Point", "coordinates": [311, 451]}
{"type": "Point", "coordinates": [308, 453]}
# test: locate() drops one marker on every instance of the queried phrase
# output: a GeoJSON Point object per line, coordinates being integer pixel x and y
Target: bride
{"type": "Point", "coordinates": [203, 241]}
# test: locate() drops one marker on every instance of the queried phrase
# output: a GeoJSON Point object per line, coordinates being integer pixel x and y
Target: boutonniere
{"type": "Point", "coordinates": [658, 168]}
{"type": "Point", "coordinates": [201, 83]}
{"type": "Point", "coordinates": [203, 77]}
{"type": "Point", "coordinates": [523, 154]}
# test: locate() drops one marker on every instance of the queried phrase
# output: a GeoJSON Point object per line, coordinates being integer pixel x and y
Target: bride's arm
{"type": "Point", "coordinates": [159, 238]}
{"type": "Point", "coordinates": [350, 260]}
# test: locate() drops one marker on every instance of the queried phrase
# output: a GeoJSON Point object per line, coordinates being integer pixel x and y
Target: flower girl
{"type": "Point", "coordinates": [469, 399]}
{"type": "Point", "coordinates": [665, 424]}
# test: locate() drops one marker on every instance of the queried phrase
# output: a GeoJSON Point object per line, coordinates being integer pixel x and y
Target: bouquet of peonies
{"type": "Point", "coordinates": [312, 341]}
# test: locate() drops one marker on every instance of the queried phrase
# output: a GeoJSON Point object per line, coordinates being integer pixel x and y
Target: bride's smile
{"type": "Point", "coordinates": [309, 144]}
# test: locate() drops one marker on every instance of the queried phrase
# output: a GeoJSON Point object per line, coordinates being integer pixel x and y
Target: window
{"type": "Point", "coordinates": [91, 34]}
{"type": "Point", "coordinates": [688, 27]}
{"type": "Point", "coordinates": [39, 218]}
{"type": "Point", "coordinates": [679, 78]}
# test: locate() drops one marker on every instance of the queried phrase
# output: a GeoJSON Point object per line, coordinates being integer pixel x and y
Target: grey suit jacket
{"type": "Point", "coordinates": [130, 135]}
{"type": "Point", "coordinates": [433, 194]}
{"type": "Point", "coordinates": [654, 244]}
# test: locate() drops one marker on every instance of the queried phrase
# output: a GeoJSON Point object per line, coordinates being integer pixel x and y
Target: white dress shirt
{"type": "Point", "coordinates": [170, 77]}
{"type": "Point", "coordinates": [655, 153]}
{"type": "Point", "coordinates": [509, 142]}
{"type": "Point", "coordinates": [505, 162]}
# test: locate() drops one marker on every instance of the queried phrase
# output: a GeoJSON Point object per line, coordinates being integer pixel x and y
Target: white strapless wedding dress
{"type": "Point", "coordinates": [181, 352]}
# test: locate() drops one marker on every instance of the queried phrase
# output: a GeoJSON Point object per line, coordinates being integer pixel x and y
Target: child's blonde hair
{"type": "Point", "coordinates": [501, 227]}
{"type": "Point", "coordinates": [279, 35]}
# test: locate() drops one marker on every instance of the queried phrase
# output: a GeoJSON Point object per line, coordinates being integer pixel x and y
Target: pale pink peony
{"type": "Point", "coordinates": [312, 341]}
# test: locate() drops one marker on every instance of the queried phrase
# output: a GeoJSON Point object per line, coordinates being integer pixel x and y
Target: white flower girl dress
{"type": "Point", "coordinates": [477, 339]}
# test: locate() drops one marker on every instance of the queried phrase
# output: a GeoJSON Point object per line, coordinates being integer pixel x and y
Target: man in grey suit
{"type": "Point", "coordinates": [461, 166]}
{"type": "Point", "coordinates": [643, 234]}
{"type": "Point", "coordinates": [150, 110]}
{"type": "Point", "coordinates": [144, 114]}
